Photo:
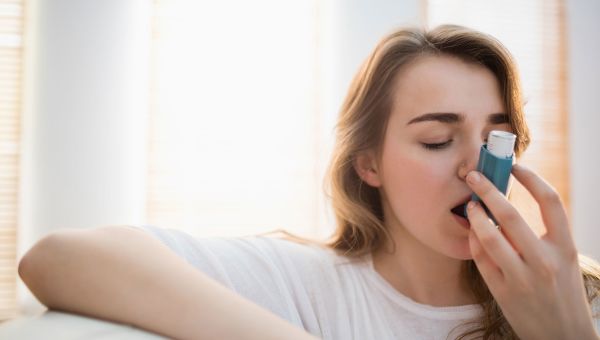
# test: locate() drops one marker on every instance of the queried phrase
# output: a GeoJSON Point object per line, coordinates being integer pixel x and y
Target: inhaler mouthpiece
{"type": "Point", "coordinates": [501, 143]}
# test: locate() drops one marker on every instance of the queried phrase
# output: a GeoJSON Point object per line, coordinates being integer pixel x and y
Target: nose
{"type": "Point", "coordinates": [469, 160]}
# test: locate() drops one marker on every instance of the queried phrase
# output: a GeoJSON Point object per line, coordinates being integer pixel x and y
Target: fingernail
{"type": "Point", "coordinates": [473, 177]}
{"type": "Point", "coordinates": [470, 205]}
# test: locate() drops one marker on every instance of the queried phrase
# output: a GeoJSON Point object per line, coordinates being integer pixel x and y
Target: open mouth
{"type": "Point", "coordinates": [460, 210]}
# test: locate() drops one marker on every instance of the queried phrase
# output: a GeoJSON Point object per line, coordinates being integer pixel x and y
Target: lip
{"type": "Point", "coordinates": [462, 221]}
{"type": "Point", "coordinates": [462, 201]}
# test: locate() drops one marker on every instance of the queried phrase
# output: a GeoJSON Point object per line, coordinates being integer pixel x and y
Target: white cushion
{"type": "Point", "coordinates": [59, 325]}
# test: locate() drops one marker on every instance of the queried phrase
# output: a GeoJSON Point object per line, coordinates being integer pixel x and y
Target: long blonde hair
{"type": "Point", "coordinates": [361, 124]}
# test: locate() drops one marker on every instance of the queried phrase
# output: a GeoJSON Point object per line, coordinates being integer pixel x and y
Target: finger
{"type": "Point", "coordinates": [488, 269]}
{"type": "Point", "coordinates": [492, 241]}
{"type": "Point", "coordinates": [551, 207]}
{"type": "Point", "coordinates": [522, 237]}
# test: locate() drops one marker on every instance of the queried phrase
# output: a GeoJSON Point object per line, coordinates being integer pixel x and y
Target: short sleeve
{"type": "Point", "coordinates": [276, 274]}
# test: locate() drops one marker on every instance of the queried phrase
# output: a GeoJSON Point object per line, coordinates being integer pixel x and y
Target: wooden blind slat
{"type": "Point", "coordinates": [11, 26]}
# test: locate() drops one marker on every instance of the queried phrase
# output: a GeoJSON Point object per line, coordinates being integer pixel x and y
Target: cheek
{"type": "Point", "coordinates": [414, 182]}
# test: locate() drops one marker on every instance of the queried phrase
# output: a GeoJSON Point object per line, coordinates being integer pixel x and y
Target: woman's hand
{"type": "Point", "coordinates": [535, 280]}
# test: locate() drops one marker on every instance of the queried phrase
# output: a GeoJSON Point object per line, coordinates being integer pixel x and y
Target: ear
{"type": "Point", "coordinates": [365, 165]}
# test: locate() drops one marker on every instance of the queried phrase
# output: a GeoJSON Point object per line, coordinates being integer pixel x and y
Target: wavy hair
{"type": "Point", "coordinates": [362, 120]}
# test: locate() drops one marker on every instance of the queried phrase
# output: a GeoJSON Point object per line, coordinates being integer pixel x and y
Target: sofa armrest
{"type": "Point", "coordinates": [59, 325]}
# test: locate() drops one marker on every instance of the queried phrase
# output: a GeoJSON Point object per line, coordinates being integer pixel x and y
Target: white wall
{"type": "Point", "coordinates": [584, 120]}
{"type": "Point", "coordinates": [86, 106]}
{"type": "Point", "coordinates": [358, 26]}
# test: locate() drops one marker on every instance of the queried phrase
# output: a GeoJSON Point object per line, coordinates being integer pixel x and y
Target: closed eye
{"type": "Point", "coordinates": [436, 146]}
{"type": "Point", "coordinates": [439, 146]}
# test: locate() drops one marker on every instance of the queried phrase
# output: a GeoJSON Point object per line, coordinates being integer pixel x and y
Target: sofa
{"type": "Point", "coordinates": [50, 324]}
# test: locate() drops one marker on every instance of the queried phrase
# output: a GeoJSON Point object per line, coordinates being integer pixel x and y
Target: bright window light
{"type": "Point", "coordinates": [232, 149]}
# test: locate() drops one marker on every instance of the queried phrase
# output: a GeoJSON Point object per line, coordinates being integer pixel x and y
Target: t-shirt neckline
{"type": "Point", "coordinates": [433, 312]}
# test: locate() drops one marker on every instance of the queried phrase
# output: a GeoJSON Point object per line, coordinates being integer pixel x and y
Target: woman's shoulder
{"type": "Point", "coordinates": [298, 250]}
{"type": "Point", "coordinates": [308, 249]}
{"type": "Point", "coordinates": [277, 247]}
{"type": "Point", "coordinates": [318, 262]}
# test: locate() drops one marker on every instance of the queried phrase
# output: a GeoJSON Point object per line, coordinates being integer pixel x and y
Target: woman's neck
{"type": "Point", "coordinates": [422, 274]}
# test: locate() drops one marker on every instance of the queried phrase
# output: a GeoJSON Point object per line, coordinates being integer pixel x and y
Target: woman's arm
{"type": "Point", "coordinates": [124, 275]}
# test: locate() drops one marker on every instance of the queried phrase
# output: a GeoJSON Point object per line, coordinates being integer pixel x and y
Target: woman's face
{"type": "Point", "coordinates": [451, 105]}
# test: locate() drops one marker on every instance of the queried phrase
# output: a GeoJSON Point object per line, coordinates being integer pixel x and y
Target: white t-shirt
{"type": "Point", "coordinates": [330, 296]}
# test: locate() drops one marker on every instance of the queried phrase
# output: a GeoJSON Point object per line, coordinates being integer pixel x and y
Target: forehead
{"type": "Point", "coordinates": [445, 84]}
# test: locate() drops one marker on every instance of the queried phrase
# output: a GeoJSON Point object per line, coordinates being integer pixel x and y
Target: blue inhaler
{"type": "Point", "coordinates": [495, 163]}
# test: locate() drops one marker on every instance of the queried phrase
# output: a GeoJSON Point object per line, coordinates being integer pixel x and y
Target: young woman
{"type": "Point", "coordinates": [400, 265]}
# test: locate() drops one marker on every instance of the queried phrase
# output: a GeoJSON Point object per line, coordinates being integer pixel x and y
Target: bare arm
{"type": "Point", "coordinates": [122, 274]}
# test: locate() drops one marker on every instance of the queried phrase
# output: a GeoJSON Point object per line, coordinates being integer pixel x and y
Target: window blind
{"type": "Point", "coordinates": [534, 33]}
{"type": "Point", "coordinates": [11, 29]}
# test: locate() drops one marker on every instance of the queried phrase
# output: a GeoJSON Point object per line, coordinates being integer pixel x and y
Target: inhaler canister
{"type": "Point", "coordinates": [495, 163]}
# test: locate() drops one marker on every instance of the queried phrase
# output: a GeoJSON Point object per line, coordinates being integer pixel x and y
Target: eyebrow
{"type": "Point", "coordinates": [454, 118]}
